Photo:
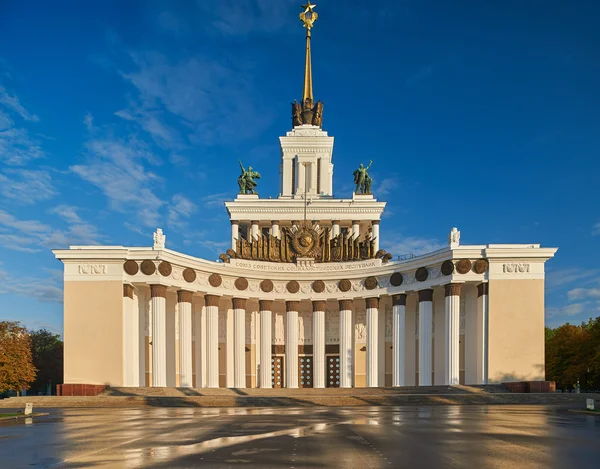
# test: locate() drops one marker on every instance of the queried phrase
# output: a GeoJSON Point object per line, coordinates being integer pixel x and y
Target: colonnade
{"type": "Point", "coordinates": [346, 339]}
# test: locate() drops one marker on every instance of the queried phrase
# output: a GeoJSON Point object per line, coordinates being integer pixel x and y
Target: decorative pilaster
{"type": "Point", "coordinates": [239, 343]}
{"type": "Point", "coordinates": [372, 342]}
{"type": "Point", "coordinates": [291, 344]}
{"type": "Point", "coordinates": [346, 343]}
{"type": "Point", "coordinates": [265, 379]}
{"type": "Point", "coordinates": [452, 334]}
{"type": "Point", "coordinates": [212, 340]}
{"type": "Point", "coordinates": [355, 228]}
{"type": "Point", "coordinates": [319, 343]}
{"type": "Point", "coordinates": [159, 335]}
{"type": "Point", "coordinates": [131, 339]}
{"type": "Point", "coordinates": [184, 300]}
{"type": "Point", "coordinates": [425, 332]}
{"type": "Point", "coordinates": [235, 228]}
{"type": "Point", "coordinates": [398, 326]}
{"type": "Point", "coordinates": [375, 225]}
{"type": "Point", "coordinates": [482, 333]}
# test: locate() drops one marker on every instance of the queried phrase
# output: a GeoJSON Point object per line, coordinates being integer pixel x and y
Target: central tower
{"type": "Point", "coordinates": [306, 150]}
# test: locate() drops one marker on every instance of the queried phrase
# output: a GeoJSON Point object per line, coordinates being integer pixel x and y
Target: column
{"type": "Point", "coordinates": [372, 342]}
{"type": "Point", "coordinates": [184, 300]}
{"type": "Point", "coordinates": [452, 334]}
{"type": "Point", "coordinates": [212, 340]}
{"type": "Point", "coordinates": [355, 229]}
{"type": "Point", "coordinates": [291, 344]}
{"type": "Point", "coordinates": [375, 225]}
{"type": "Point", "coordinates": [425, 318]}
{"type": "Point", "coordinates": [159, 335]}
{"type": "Point", "coordinates": [482, 333]}
{"type": "Point", "coordinates": [335, 228]}
{"type": "Point", "coordinates": [266, 307]}
{"type": "Point", "coordinates": [398, 327]}
{"type": "Point", "coordinates": [229, 352]}
{"type": "Point", "coordinates": [239, 343]}
{"type": "Point", "coordinates": [346, 343]}
{"type": "Point", "coordinates": [131, 339]}
{"type": "Point", "coordinates": [200, 346]}
{"type": "Point", "coordinates": [275, 228]}
{"type": "Point", "coordinates": [319, 343]}
{"type": "Point", "coordinates": [235, 229]}
{"type": "Point", "coordinates": [254, 229]}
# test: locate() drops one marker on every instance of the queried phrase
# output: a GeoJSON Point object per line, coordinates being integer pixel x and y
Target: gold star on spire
{"type": "Point", "coordinates": [308, 16]}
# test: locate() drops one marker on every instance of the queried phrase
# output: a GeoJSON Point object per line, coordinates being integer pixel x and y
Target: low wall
{"type": "Point", "coordinates": [531, 386]}
{"type": "Point", "coordinates": [79, 389]}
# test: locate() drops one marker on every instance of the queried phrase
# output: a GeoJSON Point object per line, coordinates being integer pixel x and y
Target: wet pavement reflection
{"type": "Point", "coordinates": [415, 437]}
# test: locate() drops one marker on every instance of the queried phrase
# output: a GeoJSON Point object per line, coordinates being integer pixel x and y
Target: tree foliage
{"type": "Point", "coordinates": [16, 365]}
{"type": "Point", "coordinates": [47, 354]}
{"type": "Point", "coordinates": [573, 355]}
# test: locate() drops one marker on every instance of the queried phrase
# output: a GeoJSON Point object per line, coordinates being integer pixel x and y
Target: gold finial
{"type": "Point", "coordinates": [308, 16]}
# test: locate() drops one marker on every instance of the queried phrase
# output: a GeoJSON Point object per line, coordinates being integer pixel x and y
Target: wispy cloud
{"type": "Point", "coordinates": [567, 276]}
{"type": "Point", "coordinates": [26, 186]}
{"type": "Point", "coordinates": [215, 200]}
{"type": "Point", "coordinates": [12, 102]}
{"type": "Point", "coordinates": [581, 293]}
{"type": "Point", "coordinates": [180, 209]}
{"type": "Point", "coordinates": [47, 289]}
{"type": "Point", "coordinates": [596, 229]}
{"type": "Point", "coordinates": [412, 245]}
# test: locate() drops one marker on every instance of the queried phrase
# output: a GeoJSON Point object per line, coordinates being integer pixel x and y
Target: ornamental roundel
{"type": "Point", "coordinates": [370, 283]}
{"type": "Point", "coordinates": [189, 275]}
{"type": "Point", "coordinates": [241, 283]}
{"type": "Point", "coordinates": [293, 286]}
{"type": "Point", "coordinates": [421, 274]}
{"type": "Point", "coordinates": [345, 285]}
{"type": "Point", "coordinates": [131, 267]}
{"type": "Point", "coordinates": [266, 286]}
{"type": "Point", "coordinates": [447, 267]}
{"type": "Point", "coordinates": [318, 286]}
{"type": "Point", "coordinates": [148, 267]}
{"type": "Point", "coordinates": [215, 280]}
{"type": "Point", "coordinates": [165, 268]}
{"type": "Point", "coordinates": [396, 279]}
{"type": "Point", "coordinates": [480, 266]}
{"type": "Point", "coordinates": [463, 266]}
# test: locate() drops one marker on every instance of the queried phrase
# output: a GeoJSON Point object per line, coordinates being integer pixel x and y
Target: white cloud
{"type": "Point", "coordinates": [412, 245]}
{"type": "Point", "coordinates": [180, 209]}
{"type": "Point", "coordinates": [580, 293]}
{"type": "Point", "coordinates": [67, 213]}
{"type": "Point", "coordinates": [17, 147]}
{"type": "Point", "coordinates": [26, 186]}
{"type": "Point", "coordinates": [47, 290]}
{"type": "Point", "coordinates": [216, 200]}
{"type": "Point", "coordinates": [385, 186]}
{"type": "Point", "coordinates": [12, 102]}
{"type": "Point", "coordinates": [88, 121]}
{"type": "Point", "coordinates": [561, 277]}
{"type": "Point", "coordinates": [572, 310]}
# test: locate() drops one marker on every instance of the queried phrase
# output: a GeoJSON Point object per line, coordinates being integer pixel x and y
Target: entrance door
{"type": "Point", "coordinates": [305, 373]}
{"type": "Point", "coordinates": [333, 371]}
{"type": "Point", "coordinates": [277, 371]}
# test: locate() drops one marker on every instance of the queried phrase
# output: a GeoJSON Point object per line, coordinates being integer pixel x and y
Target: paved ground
{"type": "Point", "coordinates": [378, 437]}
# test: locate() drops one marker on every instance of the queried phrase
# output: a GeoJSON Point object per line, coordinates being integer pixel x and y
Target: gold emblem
{"type": "Point", "coordinates": [308, 16]}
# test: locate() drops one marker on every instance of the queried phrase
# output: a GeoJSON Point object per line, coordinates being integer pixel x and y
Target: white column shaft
{"type": "Point", "coordinates": [451, 340]}
{"type": "Point", "coordinates": [229, 350]}
{"type": "Point", "coordinates": [399, 327]}
{"type": "Point", "coordinates": [346, 348]}
{"type": "Point", "coordinates": [335, 230]}
{"type": "Point", "coordinates": [275, 230]}
{"type": "Point", "coordinates": [159, 342]}
{"type": "Point", "coordinates": [355, 230]}
{"type": "Point", "coordinates": [239, 348]}
{"type": "Point", "coordinates": [255, 230]}
{"type": "Point", "coordinates": [265, 379]}
{"type": "Point", "coordinates": [376, 237]}
{"type": "Point", "coordinates": [372, 347]}
{"type": "Point", "coordinates": [235, 228]}
{"type": "Point", "coordinates": [185, 345]}
{"type": "Point", "coordinates": [425, 318]}
{"type": "Point", "coordinates": [319, 349]}
{"type": "Point", "coordinates": [212, 346]}
{"type": "Point", "coordinates": [482, 335]}
{"type": "Point", "coordinates": [291, 349]}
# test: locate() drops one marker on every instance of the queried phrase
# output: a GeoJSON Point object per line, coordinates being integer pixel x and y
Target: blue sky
{"type": "Point", "coordinates": [117, 117]}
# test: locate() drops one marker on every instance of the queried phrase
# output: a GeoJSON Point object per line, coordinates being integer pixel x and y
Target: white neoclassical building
{"type": "Point", "coordinates": [305, 297]}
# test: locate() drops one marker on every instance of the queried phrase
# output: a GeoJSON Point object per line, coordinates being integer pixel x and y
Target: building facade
{"type": "Point", "coordinates": [305, 296]}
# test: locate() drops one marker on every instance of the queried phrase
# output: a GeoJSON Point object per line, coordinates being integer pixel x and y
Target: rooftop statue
{"type": "Point", "coordinates": [362, 179]}
{"type": "Point", "coordinates": [246, 180]}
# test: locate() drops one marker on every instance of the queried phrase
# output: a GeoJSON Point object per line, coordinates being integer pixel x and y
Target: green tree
{"type": "Point", "coordinates": [16, 366]}
{"type": "Point", "coordinates": [47, 353]}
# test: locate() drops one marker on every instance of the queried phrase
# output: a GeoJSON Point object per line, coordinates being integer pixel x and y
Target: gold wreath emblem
{"type": "Point", "coordinates": [304, 241]}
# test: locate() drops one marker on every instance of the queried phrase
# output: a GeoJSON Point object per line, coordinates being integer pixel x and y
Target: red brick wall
{"type": "Point", "coordinates": [79, 389]}
{"type": "Point", "coordinates": [531, 386]}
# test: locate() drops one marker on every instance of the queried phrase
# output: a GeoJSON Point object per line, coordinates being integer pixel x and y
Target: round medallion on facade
{"type": "Point", "coordinates": [131, 267]}
{"type": "Point", "coordinates": [165, 268]}
{"type": "Point", "coordinates": [345, 285]}
{"type": "Point", "coordinates": [422, 274]}
{"type": "Point", "coordinates": [447, 267]}
{"type": "Point", "coordinates": [266, 286]}
{"type": "Point", "coordinates": [370, 283]}
{"type": "Point", "coordinates": [215, 280]}
{"type": "Point", "coordinates": [148, 267]}
{"type": "Point", "coordinates": [318, 286]}
{"type": "Point", "coordinates": [480, 266]}
{"type": "Point", "coordinates": [241, 283]}
{"type": "Point", "coordinates": [463, 266]}
{"type": "Point", "coordinates": [293, 286]}
{"type": "Point", "coordinates": [189, 275]}
{"type": "Point", "coordinates": [396, 279]}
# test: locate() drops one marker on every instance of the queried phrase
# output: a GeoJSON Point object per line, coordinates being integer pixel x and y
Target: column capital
{"type": "Point", "coordinates": [291, 306]}
{"type": "Point", "coordinates": [184, 296]}
{"type": "Point", "coordinates": [319, 305]}
{"type": "Point", "coordinates": [372, 302]}
{"type": "Point", "coordinates": [211, 300]}
{"type": "Point", "coordinates": [157, 291]}
{"type": "Point", "coordinates": [482, 289]}
{"type": "Point", "coordinates": [234, 222]}
{"type": "Point", "coordinates": [335, 222]}
{"type": "Point", "coordinates": [345, 305]}
{"type": "Point", "coordinates": [426, 295]}
{"type": "Point", "coordinates": [265, 305]}
{"type": "Point", "coordinates": [452, 289]}
{"type": "Point", "coordinates": [356, 222]}
{"type": "Point", "coordinates": [239, 303]}
{"type": "Point", "coordinates": [399, 300]}
{"type": "Point", "coordinates": [375, 222]}
{"type": "Point", "coordinates": [254, 222]}
{"type": "Point", "coordinates": [274, 222]}
{"type": "Point", "coordinates": [127, 290]}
